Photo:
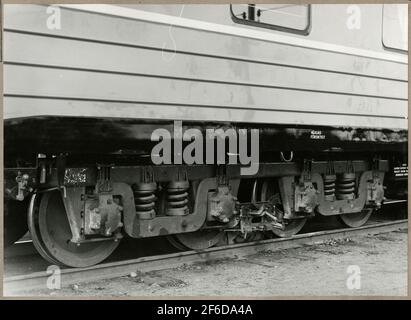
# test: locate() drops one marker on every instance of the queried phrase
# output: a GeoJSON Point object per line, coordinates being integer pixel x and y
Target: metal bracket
{"type": "Point", "coordinates": [306, 172]}
{"type": "Point", "coordinates": [104, 184]}
{"type": "Point", "coordinates": [328, 208]}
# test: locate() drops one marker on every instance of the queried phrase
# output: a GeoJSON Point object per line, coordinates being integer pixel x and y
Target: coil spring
{"type": "Point", "coordinates": [329, 187]}
{"type": "Point", "coordinates": [177, 198]}
{"type": "Point", "coordinates": [145, 199]}
{"type": "Point", "coordinates": [346, 186]}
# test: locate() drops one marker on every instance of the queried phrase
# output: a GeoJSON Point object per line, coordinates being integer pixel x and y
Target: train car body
{"type": "Point", "coordinates": [85, 86]}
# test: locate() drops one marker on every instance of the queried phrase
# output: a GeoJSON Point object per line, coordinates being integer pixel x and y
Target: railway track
{"type": "Point", "coordinates": [37, 280]}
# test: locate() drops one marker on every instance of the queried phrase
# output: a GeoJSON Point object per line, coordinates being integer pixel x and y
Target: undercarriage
{"type": "Point", "coordinates": [81, 204]}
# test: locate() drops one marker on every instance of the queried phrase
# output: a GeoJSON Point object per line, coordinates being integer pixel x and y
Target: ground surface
{"type": "Point", "coordinates": [322, 269]}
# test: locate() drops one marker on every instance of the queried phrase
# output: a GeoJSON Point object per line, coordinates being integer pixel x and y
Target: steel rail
{"type": "Point", "coordinates": [38, 280]}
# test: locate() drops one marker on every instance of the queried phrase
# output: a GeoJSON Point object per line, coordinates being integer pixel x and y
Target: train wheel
{"type": "Point", "coordinates": [292, 227]}
{"type": "Point", "coordinates": [32, 221]}
{"type": "Point", "coordinates": [355, 220]}
{"type": "Point", "coordinates": [52, 235]}
{"type": "Point", "coordinates": [198, 240]}
{"type": "Point", "coordinates": [15, 221]}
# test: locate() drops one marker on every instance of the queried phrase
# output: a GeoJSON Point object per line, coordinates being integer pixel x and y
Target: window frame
{"type": "Point", "coordinates": [304, 32]}
{"type": "Point", "coordinates": [387, 47]}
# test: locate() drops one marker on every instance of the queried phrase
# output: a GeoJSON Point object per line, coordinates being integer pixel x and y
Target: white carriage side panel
{"type": "Point", "coordinates": [106, 65]}
{"type": "Point", "coordinates": [76, 84]}
{"type": "Point", "coordinates": [238, 45]}
{"type": "Point", "coordinates": [151, 62]}
{"type": "Point", "coordinates": [109, 109]}
{"type": "Point", "coordinates": [353, 25]}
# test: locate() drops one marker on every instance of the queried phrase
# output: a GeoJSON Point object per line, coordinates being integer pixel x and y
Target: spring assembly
{"type": "Point", "coordinates": [329, 187]}
{"type": "Point", "coordinates": [345, 186]}
{"type": "Point", "coordinates": [144, 196]}
{"type": "Point", "coordinates": [177, 197]}
{"type": "Point", "coordinates": [329, 182]}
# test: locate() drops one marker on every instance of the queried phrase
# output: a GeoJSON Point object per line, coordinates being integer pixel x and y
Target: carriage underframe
{"type": "Point", "coordinates": [78, 215]}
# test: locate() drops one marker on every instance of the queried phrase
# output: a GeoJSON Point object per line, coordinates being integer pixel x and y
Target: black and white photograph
{"type": "Point", "coordinates": [205, 150]}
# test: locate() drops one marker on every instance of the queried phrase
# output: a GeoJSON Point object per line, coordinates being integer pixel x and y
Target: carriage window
{"type": "Point", "coordinates": [395, 26]}
{"type": "Point", "coordinates": [284, 17]}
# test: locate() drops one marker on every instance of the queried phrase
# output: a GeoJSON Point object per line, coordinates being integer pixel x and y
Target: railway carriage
{"type": "Point", "coordinates": [85, 86]}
